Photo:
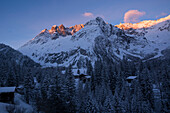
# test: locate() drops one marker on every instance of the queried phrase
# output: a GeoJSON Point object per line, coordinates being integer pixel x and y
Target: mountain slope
{"type": "Point", "coordinates": [14, 66]}
{"type": "Point", "coordinates": [10, 55]}
{"type": "Point", "coordinates": [66, 49]}
{"type": "Point", "coordinates": [96, 39]}
{"type": "Point", "coordinates": [157, 37]}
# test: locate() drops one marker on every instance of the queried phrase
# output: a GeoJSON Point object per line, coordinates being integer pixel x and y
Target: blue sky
{"type": "Point", "coordinates": [22, 20]}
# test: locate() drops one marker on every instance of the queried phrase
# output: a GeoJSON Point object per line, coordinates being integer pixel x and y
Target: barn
{"type": "Point", "coordinates": [7, 94]}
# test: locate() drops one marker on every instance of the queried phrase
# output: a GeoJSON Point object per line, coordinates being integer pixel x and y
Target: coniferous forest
{"type": "Point", "coordinates": [57, 91]}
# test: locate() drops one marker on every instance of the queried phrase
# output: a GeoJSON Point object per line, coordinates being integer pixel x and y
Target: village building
{"type": "Point", "coordinates": [7, 94]}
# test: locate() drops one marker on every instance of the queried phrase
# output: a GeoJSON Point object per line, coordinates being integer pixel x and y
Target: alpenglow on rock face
{"type": "Point", "coordinates": [79, 44]}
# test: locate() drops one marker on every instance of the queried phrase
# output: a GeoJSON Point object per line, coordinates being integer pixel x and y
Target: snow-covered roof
{"type": "Point", "coordinates": [131, 77]}
{"type": "Point", "coordinates": [88, 76]}
{"type": "Point", "coordinates": [7, 89]}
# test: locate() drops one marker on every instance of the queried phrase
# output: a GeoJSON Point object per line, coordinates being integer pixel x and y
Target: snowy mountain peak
{"type": "Point", "coordinates": [53, 29]}
{"type": "Point", "coordinates": [76, 28]}
{"type": "Point", "coordinates": [62, 30]}
{"type": "Point", "coordinates": [97, 21]}
{"type": "Point", "coordinates": [61, 26]}
{"type": "Point", "coordinates": [100, 21]}
{"type": "Point", "coordinates": [44, 30]}
{"type": "Point", "coordinates": [79, 44]}
{"type": "Point", "coordinates": [106, 28]}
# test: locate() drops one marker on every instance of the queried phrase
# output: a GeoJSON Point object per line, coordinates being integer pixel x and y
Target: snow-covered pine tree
{"type": "Point", "coordinates": [89, 68]}
{"type": "Point", "coordinates": [11, 80]}
{"type": "Point", "coordinates": [28, 85]}
{"type": "Point", "coordinates": [69, 90]}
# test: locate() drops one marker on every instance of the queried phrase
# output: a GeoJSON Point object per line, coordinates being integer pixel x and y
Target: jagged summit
{"type": "Point", "coordinates": [44, 30]}
{"type": "Point", "coordinates": [76, 28]}
{"type": "Point", "coordinates": [53, 29]}
{"type": "Point", "coordinates": [61, 30]}
{"type": "Point", "coordinates": [96, 21]}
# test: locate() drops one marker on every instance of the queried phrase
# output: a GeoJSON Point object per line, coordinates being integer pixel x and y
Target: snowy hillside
{"type": "Point", "coordinates": [96, 39]}
{"type": "Point", "coordinates": [9, 55]}
{"type": "Point", "coordinates": [157, 38]}
{"type": "Point", "coordinates": [18, 106]}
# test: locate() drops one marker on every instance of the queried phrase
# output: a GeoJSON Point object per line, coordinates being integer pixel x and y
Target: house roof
{"type": "Point", "coordinates": [88, 76]}
{"type": "Point", "coordinates": [7, 89]}
{"type": "Point", "coordinates": [131, 77]}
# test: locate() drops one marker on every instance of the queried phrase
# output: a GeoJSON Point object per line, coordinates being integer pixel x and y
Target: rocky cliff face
{"type": "Point", "coordinates": [82, 43]}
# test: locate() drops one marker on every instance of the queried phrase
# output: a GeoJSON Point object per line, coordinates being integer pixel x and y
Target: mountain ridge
{"type": "Point", "coordinates": [9, 54]}
{"type": "Point", "coordinates": [142, 24]}
{"type": "Point", "coordinates": [97, 40]}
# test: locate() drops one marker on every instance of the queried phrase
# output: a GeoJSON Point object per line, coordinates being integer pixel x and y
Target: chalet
{"type": "Point", "coordinates": [7, 94]}
{"type": "Point", "coordinates": [130, 79]}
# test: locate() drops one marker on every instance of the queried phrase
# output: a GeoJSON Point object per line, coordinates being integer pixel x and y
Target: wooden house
{"type": "Point", "coordinates": [7, 94]}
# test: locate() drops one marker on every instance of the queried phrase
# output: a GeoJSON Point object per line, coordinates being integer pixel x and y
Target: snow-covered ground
{"type": "Point", "coordinates": [3, 107]}
{"type": "Point", "coordinates": [19, 104]}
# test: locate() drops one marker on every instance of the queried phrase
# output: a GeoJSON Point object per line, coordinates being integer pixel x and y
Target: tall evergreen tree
{"type": "Point", "coordinates": [28, 85]}
{"type": "Point", "coordinates": [11, 80]}
{"type": "Point", "coordinates": [70, 89]}
{"type": "Point", "coordinates": [89, 68]}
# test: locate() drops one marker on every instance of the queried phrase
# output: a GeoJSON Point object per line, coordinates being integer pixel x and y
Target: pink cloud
{"type": "Point", "coordinates": [88, 14]}
{"type": "Point", "coordinates": [133, 16]}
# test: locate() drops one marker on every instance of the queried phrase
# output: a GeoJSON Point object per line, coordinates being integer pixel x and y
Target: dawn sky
{"type": "Point", "coordinates": [22, 20]}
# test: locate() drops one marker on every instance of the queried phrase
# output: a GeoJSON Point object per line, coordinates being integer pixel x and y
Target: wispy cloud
{"type": "Point", "coordinates": [133, 16]}
{"type": "Point", "coordinates": [88, 14]}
